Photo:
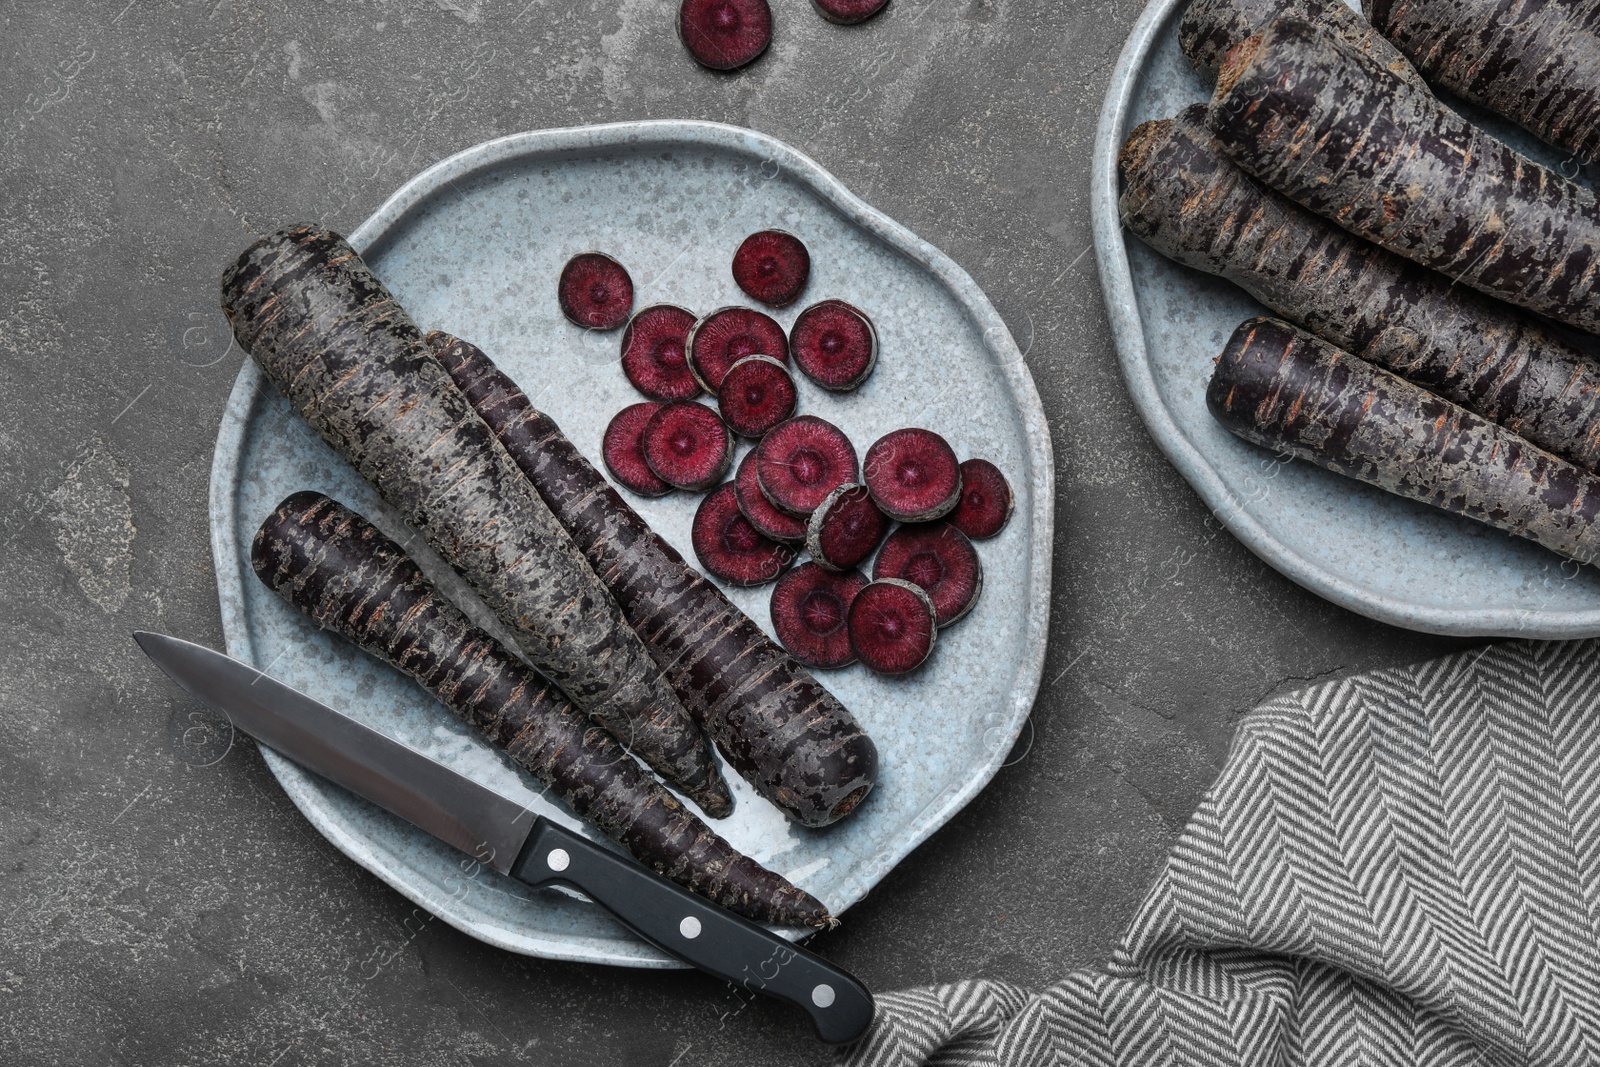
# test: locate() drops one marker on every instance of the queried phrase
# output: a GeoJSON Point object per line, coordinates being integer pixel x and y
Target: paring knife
{"type": "Point", "coordinates": [513, 840]}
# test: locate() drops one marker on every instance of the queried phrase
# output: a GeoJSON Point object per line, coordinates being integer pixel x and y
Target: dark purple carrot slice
{"type": "Point", "coordinates": [938, 559]}
{"type": "Point", "coordinates": [759, 510]}
{"type": "Point", "coordinates": [622, 448]}
{"type": "Point", "coordinates": [846, 528]}
{"type": "Point", "coordinates": [728, 335]}
{"type": "Point", "coordinates": [725, 34]}
{"type": "Point", "coordinates": [772, 266]}
{"type": "Point", "coordinates": [655, 353]}
{"type": "Point", "coordinates": [913, 475]}
{"type": "Point", "coordinates": [687, 445]}
{"type": "Point", "coordinates": [803, 460]}
{"type": "Point", "coordinates": [834, 344]}
{"type": "Point", "coordinates": [892, 626]}
{"type": "Point", "coordinates": [595, 291]}
{"type": "Point", "coordinates": [849, 12]}
{"type": "Point", "coordinates": [729, 548]}
{"type": "Point", "coordinates": [756, 394]}
{"type": "Point", "coordinates": [986, 500]}
{"type": "Point", "coordinates": [810, 607]}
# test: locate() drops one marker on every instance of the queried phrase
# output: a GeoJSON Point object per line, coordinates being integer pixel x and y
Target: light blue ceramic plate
{"type": "Point", "coordinates": [1387, 558]}
{"type": "Point", "coordinates": [474, 245]}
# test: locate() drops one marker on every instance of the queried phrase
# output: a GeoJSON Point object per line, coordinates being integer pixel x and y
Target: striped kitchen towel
{"type": "Point", "coordinates": [1398, 868]}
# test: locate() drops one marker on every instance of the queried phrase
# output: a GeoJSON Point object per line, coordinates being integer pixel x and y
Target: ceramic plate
{"type": "Point", "coordinates": [474, 246]}
{"type": "Point", "coordinates": [1388, 558]}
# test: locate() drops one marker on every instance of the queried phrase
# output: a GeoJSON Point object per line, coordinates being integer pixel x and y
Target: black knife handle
{"type": "Point", "coordinates": [697, 931]}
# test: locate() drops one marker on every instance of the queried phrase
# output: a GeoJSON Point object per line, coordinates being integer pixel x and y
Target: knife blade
{"type": "Point", "coordinates": [512, 840]}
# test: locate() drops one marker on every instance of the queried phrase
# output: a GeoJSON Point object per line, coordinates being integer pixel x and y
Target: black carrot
{"type": "Point", "coordinates": [328, 333]}
{"type": "Point", "coordinates": [1187, 200]}
{"type": "Point", "coordinates": [344, 574]}
{"type": "Point", "coordinates": [1325, 125]}
{"type": "Point", "coordinates": [1536, 63]}
{"type": "Point", "coordinates": [779, 728]}
{"type": "Point", "coordinates": [1280, 387]}
{"type": "Point", "coordinates": [1211, 27]}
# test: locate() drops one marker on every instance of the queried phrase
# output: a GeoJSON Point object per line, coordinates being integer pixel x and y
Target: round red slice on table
{"type": "Point", "coordinates": [759, 510]}
{"type": "Point", "coordinates": [727, 335]}
{"type": "Point", "coordinates": [757, 394]}
{"type": "Point", "coordinates": [846, 528]}
{"type": "Point", "coordinates": [622, 449]}
{"type": "Point", "coordinates": [938, 559]}
{"type": "Point", "coordinates": [725, 34]}
{"type": "Point", "coordinates": [772, 266]}
{"type": "Point", "coordinates": [729, 548]}
{"type": "Point", "coordinates": [595, 291]}
{"type": "Point", "coordinates": [834, 344]}
{"type": "Point", "coordinates": [892, 626]}
{"type": "Point", "coordinates": [803, 460]}
{"type": "Point", "coordinates": [849, 12]}
{"type": "Point", "coordinates": [913, 475]}
{"type": "Point", "coordinates": [810, 610]}
{"type": "Point", "coordinates": [986, 500]}
{"type": "Point", "coordinates": [687, 445]}
{"type": "Point", "coordinates": [655, 352]}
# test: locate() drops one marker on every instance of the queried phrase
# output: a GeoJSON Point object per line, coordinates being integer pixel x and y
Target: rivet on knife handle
{"type": "Point", "coordinates": [698, 931]}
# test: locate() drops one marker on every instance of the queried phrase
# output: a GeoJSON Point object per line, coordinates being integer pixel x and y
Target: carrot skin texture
{"type": "Point", "coordinates": [774, 723]}
{"type": "Point", "coordinates": [1284, 389]}
{"type": "Point", "coordinates": [1327, 127]}
{"type": "Point", "coordinates": [1536, 63]}
{"type": "Point", "coordinates": [1188, 201]}
{"type": "Point", "coordinates": [333, 339]}
{"type": "Point", "coordinates": [1211, 27]}
{"type": "Point", "coordinates": [348, 577]}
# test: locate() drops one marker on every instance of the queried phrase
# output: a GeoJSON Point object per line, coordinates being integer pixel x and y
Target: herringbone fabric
{"type": "Point", "coordinates": [1398, 868]}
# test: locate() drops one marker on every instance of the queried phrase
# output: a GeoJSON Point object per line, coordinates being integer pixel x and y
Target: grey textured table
{"type": "Point", "coordinates": [160, 901]}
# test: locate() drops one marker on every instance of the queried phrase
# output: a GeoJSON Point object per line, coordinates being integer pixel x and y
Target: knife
{"type": "Point", "coordinates": [513, 840]}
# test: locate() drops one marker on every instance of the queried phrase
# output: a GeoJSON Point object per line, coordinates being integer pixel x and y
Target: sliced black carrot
{"type": "Point", "coordinates": [595, 291]}
{"type": "Point", "coordinates": [772, 266]}
{"type": "Point", "coordinates": [846, 528]}
{"type": "Point", "coordinates": [938, 559]}
{"type": "Point", "coordinates": [986, 500]}
{"type": "Point", "coordinates": [810, 607]}
{"type": "Point", "coordinates": [913, 475]}
{"type": "Point", "coordinates": [759, 510]}
{"type": "Point", "coordinates": [757, 394]}
{"type": "Point", "coordinates": [622, 449]}
{"type": "Point", "coordinates": [803, 460]}
{"type": "Point", "coordinates": [655, 352]}
{"type": "Point", "coordinates": [729, 548]}
{"type": "Point", "coordinates": [892, 626]}
{"type": "Point", "coordinates": [834, 344]}
{"type": "Point", "coordinates": [687, 445]}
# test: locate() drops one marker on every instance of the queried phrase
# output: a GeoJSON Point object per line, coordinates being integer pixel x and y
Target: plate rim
{"type": "Point", "coordinates": [249, 387]}
{"type": "Point", "coordinates": [1127, 328]}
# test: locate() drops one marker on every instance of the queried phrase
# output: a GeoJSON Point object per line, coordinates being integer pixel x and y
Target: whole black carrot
{"type": "Point", "coordinates": [1280, 387]}
{"type": "Point", "coordinates": [1211, 27]}
{"type": "Point", "coordinates": [1325, 125]}
{"type": "Point", "coordinates": [1187, 200]}
{"type": "Point", "coordinates": [352, 362]}
{"type": "Point", "coordinates": [1537, 62]}
{"type": "Point", "coordinates": [347, 576]}
{"type": "Point", "coordinates": [779, 728]}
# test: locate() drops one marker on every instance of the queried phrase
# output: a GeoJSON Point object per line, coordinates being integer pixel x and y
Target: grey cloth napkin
{"type": "Point", "coordinates": [1398, 868]}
